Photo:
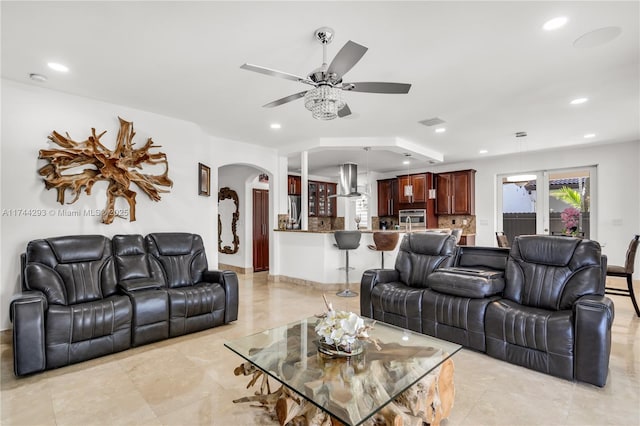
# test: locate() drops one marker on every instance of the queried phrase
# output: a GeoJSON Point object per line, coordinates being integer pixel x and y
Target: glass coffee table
{"type": "Point", "coordinates": [409, 367]}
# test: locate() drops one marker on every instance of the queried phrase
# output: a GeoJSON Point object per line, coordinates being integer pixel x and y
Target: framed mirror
{"type": "Point", "coordinates": [228, 215]}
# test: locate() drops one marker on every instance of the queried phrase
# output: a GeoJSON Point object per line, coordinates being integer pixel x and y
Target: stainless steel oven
{"type": "Point", "coordinates": [412, 219]}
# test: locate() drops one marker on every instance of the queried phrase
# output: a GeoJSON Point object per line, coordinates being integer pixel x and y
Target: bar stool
{"type": "Point", "coordinates": [347, 240]}
{"type": "Point", "coordinates": [384, 241]}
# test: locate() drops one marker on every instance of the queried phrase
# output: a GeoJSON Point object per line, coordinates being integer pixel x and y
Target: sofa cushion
{"type": "Point", "coordinates": [137, 270]}
{"type": "Point", "coordinates": [535, 338]}
{"type": "Point", "coordinates": [466, 282]}
{"type": "Point", "coordinates": [399, 300]}
{"type": "Point", "coordinates": [421, 253]}
{"type": "Point", "coordinates": [195, 308]}
{"type": "Point", "coordinates": [181, 255]}
{"type": "Point", "coordinates": [69, 270]}
{"type": "Point", "coordinates": [454, 318]}
{"type": "Point", "coordinates": [551, 272]}
{"type": "Point", "coordinates": [87, 330]}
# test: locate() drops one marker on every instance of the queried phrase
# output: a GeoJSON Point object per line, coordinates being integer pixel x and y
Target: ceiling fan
{"type": "Point", "coordinates": [325, 99]}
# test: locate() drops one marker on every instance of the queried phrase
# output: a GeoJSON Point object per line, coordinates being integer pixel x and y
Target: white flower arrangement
{"type": "Point", "coordinates": [342, 329]}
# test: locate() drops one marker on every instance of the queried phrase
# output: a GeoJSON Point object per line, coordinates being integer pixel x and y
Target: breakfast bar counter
{"type": "Point", "coordinates": [311, 257]}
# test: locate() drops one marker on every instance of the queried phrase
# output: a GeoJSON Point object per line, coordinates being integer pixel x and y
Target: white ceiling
{"type": "Point", "coordinates": [486, 68]}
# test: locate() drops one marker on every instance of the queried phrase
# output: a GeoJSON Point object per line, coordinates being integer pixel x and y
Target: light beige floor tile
{"type": "Point", "coordinates": [189, 380]}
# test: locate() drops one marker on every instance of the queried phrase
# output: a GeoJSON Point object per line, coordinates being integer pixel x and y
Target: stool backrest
{"type": "Point", "coordinates": [347, 240]}
{"type": "Point", "coordinates": [503, 241]}
{"type": "Point", "coordinates": [386, 241]}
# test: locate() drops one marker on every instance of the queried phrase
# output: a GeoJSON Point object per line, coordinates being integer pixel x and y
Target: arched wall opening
{"type": "Point", "coordinates": [244, 179]}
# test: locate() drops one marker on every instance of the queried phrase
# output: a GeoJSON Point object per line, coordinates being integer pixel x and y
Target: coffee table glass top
{"type": "Point", "coordinates": [351, 389]}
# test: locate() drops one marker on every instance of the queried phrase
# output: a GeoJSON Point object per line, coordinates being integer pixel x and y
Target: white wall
{"type": "Point", "coordinates": [30, 114]}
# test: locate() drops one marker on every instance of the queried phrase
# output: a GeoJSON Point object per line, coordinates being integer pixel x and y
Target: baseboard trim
{"type": "Point", "coordinates": [313, 284]}
{"type": "Point", "coordinates": [236, 269]}
{"type": "Point", "coordinates": [6, 337]}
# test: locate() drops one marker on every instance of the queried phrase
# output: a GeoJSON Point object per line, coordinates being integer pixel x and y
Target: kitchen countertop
{"type": "Point", "coordinates": [367, 231]}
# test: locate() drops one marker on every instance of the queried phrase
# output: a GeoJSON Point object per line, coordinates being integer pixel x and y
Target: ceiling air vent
{"type": "Point", "coordinates": [431, 121]}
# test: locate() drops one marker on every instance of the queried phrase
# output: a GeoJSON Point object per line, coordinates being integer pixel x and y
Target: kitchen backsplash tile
{"type": "Point", "coordinates": [447, 221]}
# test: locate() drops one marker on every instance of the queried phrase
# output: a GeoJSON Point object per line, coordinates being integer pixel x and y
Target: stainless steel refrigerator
{"type": "Point", "coordinates": [294, 210]}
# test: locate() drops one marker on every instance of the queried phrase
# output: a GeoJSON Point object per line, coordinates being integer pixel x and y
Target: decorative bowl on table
{"type": "Point", "coordinates": [342, 333]}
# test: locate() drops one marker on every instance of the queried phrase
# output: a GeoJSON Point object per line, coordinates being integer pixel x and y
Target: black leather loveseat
{"type": "Point", "coordinates": [86, 296]}
{"type": "Point", "coordinates": [540, 304]}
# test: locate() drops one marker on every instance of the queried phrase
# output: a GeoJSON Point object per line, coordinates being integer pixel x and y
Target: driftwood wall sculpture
{"type": "Point", "coordinates": [119, 167]}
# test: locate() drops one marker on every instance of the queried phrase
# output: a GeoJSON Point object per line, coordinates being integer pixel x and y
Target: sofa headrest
{"type": "Point", "coordinates": [128, 245]}
{"type": "Point", "coordinates": [428, 243]}
{"type": "Point", "coordinates": [176, 243]}
{"type": "Point", "coordinates": [78, 248]}
{"type": "Point", "coordinates": [544, 249]}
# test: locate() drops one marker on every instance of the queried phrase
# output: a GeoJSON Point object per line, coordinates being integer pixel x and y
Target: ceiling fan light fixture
{"type": "Point", "coordinates": [324, 102]}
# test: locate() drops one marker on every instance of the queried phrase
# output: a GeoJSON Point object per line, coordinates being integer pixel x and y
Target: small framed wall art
{"type": "Point", "coordinates": [204, 180]}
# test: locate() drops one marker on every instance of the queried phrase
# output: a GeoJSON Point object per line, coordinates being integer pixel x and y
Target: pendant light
{"type": "Point", "coordinates": [367, 186]}
{"type": "Point", "coordinates": [521, 179]}
{"type": "Point", "coordinates": [408, 189]}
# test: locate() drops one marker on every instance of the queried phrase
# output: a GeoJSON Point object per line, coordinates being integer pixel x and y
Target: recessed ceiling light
{"type": "Point", "coordinates": [38, 77]}
{"type": "Point", "coordinates": [58, 67]}
{"type": "Point", "coordinates": [590, 135]}
{"type": "Point", "coordinates": [441, 130]}
{"type": "Point", "coordinates": [275, 125]}
{"type": "Point", "coordinates": [555, 23]}
{"type": "Point", "coordinates": [579, 101]}
{"type": "Point", "coordinates": [483, 151]}
{"type": "Point", "coordinates": [405, 162]}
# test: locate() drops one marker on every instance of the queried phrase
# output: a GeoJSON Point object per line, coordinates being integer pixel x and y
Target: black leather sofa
{"type": "Point", "coordinates": [86, 296]}
{"type": "Point", "coordinates": [540, 304]}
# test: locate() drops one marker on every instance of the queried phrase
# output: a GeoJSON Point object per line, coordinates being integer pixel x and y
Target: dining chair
{"type": "Point", "coordinates": [503, 241]}
{"type": "Point", "coordinates": [625, 271]}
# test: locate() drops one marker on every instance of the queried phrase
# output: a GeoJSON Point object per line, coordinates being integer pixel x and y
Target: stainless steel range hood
{"type": "Point", "coordinates": [348, 186]}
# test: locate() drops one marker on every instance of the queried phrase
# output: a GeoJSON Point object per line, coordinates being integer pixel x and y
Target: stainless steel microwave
{"type": "Point", "coordinates": [417, 218]}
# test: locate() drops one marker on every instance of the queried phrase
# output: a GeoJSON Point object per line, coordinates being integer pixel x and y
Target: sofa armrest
{"type": "Point", "coordinates": [229, 282]}
{"type": "Point", "coordinates": [369, 280]}
{"type": "Point", "coordinates": [133, 285]}
{"type": "Point", "coordinates": [473, 283]}
{"type": "Point", "coordinates": [27, 312]}
{"type": "Point", "coordinates": [593, 320]}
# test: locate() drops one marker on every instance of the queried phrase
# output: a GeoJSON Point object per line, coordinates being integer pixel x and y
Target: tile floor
{"type": "Point", "coordinates": [189, 380]}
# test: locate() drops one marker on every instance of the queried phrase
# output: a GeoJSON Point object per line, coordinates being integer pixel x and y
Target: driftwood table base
{"type": "Point", "coordinates": [428, 401]}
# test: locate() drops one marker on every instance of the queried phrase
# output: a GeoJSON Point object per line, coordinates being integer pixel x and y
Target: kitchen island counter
{"type": "Point", "coordinates": [311, 258]}
{"type": "Point", "coordinates": [368, 231]}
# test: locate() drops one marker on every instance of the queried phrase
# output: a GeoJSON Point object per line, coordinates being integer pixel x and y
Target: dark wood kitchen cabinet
{"type": "Point", "coordinates": [419, 183]}
{"type": "Point", "coordinates": [320, 205]}
{"type": "Point", "coordinates": [294, 185]}
{"type": "Point", "coordinates": [455, 192]}
{"type": "Point", "coordinates": [387, 197]}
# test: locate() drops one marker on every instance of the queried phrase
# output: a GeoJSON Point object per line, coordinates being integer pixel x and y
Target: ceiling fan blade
{"type": "Point", "coordinates": [344, 111]}
{"type": "Point", "coordinates": [377, 87]}
{"type": "Point", "coordinates": [285, 99]}
{"type": "Point", "coordinates": [276, 73]}
{"type": "Point", "coordinates": [346, 58]}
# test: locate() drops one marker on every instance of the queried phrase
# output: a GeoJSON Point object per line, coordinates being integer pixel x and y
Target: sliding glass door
{"type": "Point", "coordinates": [552, 202]}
